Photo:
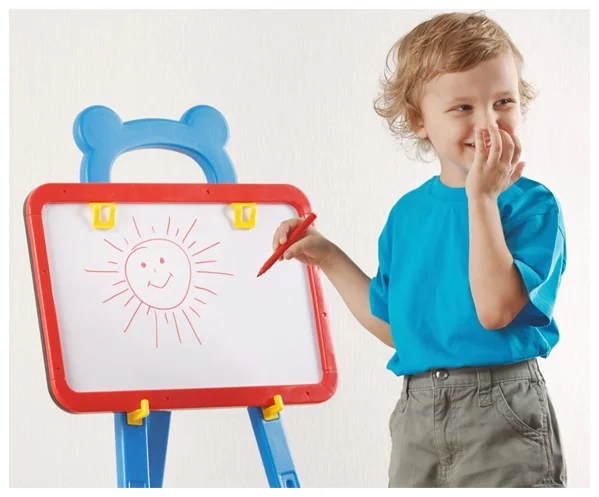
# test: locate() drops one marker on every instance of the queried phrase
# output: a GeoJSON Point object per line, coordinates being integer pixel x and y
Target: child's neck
{"type": "Point", "coordinates": [453, 176]}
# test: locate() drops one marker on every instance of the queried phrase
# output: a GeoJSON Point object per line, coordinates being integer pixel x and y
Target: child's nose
{"type": "Point", "coordinates": [487, 118]}
{"type": "Point", "coordinates": [487, 124]}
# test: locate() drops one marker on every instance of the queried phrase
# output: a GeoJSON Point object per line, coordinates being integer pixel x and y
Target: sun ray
{"type": "Point", "coordinates": [165, 318]}
{"type": "Point", "coordinates": [112, 262]}
{"type": "Point", "coordinates": [204, 249]}
{"type": "Point", "coordinates": [168, 226]}
{"type": "Point", "coordinates": [119, 282]}
{"type": "Point", "coordinates": [192, 328]}
{"type": "Point", "coordinates": [215, 272]}
{"type": "Point", "coordinates": [192, 244]}
{"type": "Point", "coordinates": [189, 230]}
{"type": "Point", "coordinates": [113, 245]}
{"type": "Point", "coordinates": [177, 233]}
{"type": "Point", "coordinates": [205, 262]}
{"type": "Point", "coordinates": [148, 311]}
{"type": "Point", "coordinates": [116, 295]}
{"type": "Point", "coordinates": [126, 241]}
{"type": "Point", "coordinates": [153, 229]}
{"type": "Point", "coordinates": [200, 301]}
{"type": "Point", "coordinates": [205, 289]}
{"type": "Point", "coordinates": [131, 320]}
{"type": "Point", "coordinates": [156, 325]}
{"type": "Point", "coordinates": [100, 271]}
{"type": "Point", "coordinates": [136, 228]}
{"type": "Point", "coordinates": [194, 311]}
{"type": "Point", "coordinates": [127, 303]}
{"type": "Point", "coordinates": [177, 327]}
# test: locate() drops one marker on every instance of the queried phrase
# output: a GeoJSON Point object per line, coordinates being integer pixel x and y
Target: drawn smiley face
{"type": "Point", "coordinates": [159, 273]}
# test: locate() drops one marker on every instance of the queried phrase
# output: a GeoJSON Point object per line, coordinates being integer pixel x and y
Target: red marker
{"type": "Point", "coordinates": [303, 226]}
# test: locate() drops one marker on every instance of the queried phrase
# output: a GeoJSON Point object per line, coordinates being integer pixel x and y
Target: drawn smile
{"type": "Point", "coordinates": [165, 283]}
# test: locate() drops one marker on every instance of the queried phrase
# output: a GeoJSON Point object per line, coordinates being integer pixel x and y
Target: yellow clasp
{"type": "Point", "coordinates": [97, 222]}
{"type": "Point", "coordinates": [272, 412]}
{"type": "Point", "coordinates": [136, 417]}
{"type": "Point", "coordinates": [238, 220]}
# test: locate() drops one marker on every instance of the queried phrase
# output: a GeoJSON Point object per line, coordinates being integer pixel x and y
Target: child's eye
{"type": "Point", "coordinates": [463, 108]}
{"type": "Point", "coordinates": [504, 101]}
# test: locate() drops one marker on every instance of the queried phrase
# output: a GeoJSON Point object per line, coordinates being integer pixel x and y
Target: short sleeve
{"type": "Point", "coordinates": [538, 246]}
{"type": "Point", "coordinates": [379, 286]}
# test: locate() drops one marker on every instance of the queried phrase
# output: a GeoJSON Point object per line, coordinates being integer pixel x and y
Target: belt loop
{"type": "Point", "coordinates": [484, 386]}
{"type": "Point", "coordinates": [403, 399]}
{"type": "Point", "coordinates": [404, 390]}
{"type": "Point", "coordinates": [535, 371]}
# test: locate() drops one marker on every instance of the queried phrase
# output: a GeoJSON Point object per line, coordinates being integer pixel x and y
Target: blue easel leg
{"type": "Point", "coordinates": [274, 450]}
{"type": "Point", "coordinates": [141, 450]}
{"type": "Point", "coordinates": [132, 464]}
{"type": "Point", "coordinates": [158, 429]}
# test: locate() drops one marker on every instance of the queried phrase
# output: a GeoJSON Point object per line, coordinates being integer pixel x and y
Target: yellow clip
{"type": "Point", "coordinates": [135, 417]}
{"type": "Point", "coordinates": [97, 222]}
{"type": "Point", "coordinates": [272, 412]}
{"type": "Point", "coordinates": [238, 221]}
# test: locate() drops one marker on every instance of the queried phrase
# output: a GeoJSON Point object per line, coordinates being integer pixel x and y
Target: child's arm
{"type": "Point", "coordinates": [347, 278]}
{"type": "Point", "coordinates": [353, 286]}
{"type": "Point", "coordinates": [498, 290]}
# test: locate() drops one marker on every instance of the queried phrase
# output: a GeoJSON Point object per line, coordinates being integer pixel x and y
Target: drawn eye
{"type": "Point", "coordinates": [143, 264]}
{"type": "Point", "coordinates": [162, 260]}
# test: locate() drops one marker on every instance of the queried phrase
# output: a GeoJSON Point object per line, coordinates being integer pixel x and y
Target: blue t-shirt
{"type": "Point", "coordinates": [422, 287]}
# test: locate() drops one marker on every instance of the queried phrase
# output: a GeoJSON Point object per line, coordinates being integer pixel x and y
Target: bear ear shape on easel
{"type": "Point", "coordinates": [210, 123]}
{"type": "Point", "coordinates": [95, 127]}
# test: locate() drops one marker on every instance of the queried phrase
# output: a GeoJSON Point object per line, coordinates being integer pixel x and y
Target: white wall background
{"type": "Point", "coordinates": [296, 88]}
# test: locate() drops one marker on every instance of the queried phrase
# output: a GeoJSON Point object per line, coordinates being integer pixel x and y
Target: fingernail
{"type": "Point", "coordinates": [286, 255]}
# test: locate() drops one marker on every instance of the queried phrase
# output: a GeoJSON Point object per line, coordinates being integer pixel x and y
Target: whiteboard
{"type": "Point", "coordinates": [169, 299]}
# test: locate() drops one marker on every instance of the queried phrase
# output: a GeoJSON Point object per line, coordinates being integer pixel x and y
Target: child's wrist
{"type": "Point", "coordinates": [331, 260]}
{"type": "Point", "coordinates": [482, 198]}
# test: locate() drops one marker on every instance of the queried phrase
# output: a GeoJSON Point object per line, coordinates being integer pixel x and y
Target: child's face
{"type": "Point", "coordinates": [455, 104]}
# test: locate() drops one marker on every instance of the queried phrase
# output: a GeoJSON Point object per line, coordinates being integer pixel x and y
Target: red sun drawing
{"type": "Point", "coordinates": [161, 274]}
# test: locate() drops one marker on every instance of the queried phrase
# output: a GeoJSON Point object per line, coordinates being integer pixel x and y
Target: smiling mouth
{"type": "Point", "coordinates": [165, 283]}
{"type": "Point", "coordinates": [473, 146]}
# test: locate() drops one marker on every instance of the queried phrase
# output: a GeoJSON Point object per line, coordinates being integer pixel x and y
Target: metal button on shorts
{"type": "Point", "coordinates": [441, 374]}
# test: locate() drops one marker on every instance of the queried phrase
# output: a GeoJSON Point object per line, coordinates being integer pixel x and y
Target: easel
{"type": "Point", "coordinates": [141, 436]}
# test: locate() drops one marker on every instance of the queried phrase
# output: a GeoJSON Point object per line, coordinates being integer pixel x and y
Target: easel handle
{"type": "Point", "coordinates": [201, 134]}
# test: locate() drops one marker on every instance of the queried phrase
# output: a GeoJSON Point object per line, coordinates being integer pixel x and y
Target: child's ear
{"type": "Point", "coordinates": [420, 130]}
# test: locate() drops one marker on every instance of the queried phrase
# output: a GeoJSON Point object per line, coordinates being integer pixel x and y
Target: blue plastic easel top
{"type": "Point", "coordinates": [201, 134]}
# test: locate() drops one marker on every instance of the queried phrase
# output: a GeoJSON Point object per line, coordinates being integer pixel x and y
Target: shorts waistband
{"type": "Point", "coordinates": [467, 376]}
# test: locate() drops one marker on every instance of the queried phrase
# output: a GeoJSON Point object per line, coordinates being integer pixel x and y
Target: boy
{"type": "Point", "coordinates": [469, 267]}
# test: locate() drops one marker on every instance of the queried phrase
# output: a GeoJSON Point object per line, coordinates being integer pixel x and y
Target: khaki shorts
{"type": "Point", "coordinates": [476, 427]}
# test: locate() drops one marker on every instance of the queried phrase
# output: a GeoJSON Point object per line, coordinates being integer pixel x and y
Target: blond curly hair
{"type": "Point", "coordinates": [447, 43]}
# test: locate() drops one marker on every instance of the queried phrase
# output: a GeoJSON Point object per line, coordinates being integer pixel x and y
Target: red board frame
{"type": "Point", "coordinates": [127, 401]}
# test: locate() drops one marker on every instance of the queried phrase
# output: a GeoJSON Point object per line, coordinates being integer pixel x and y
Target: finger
{"type": "Point", "coordinates": [507, 148]}
{"type": "Point", "coordinates": [486, 141]}
{"type": "Point", "coordinates": [280, 235]}
{"type": "Point", "coordinates": [296, 249]}
{"type": "Point", "coordinates": [517, 173]}
{"type": "Point", "coordinates": [517, 149]}
{"type": "Point", "coordinates": [276, 237]}
{"type": "Point", "coordinates": [286, 227]}
{"type": "Point", "coordinates": [479, 146]}
{"type": "Point", "coordinates": [495, 150]}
